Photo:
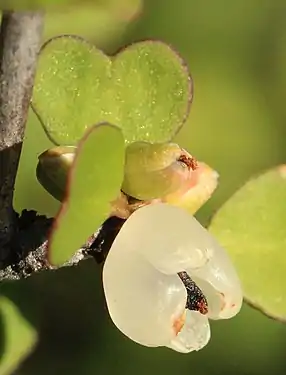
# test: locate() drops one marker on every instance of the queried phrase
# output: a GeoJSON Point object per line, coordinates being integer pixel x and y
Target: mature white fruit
{"type": "Point", "coordinates": [146, 298]}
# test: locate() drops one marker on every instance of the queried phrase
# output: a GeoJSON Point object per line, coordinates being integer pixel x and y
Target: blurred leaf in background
{"type": "Point", "coordinates": [17, 337]}
{"type": "Point", "coordinates": [34, 4]}
{"type": "Point", "coordinates": [102, 22]}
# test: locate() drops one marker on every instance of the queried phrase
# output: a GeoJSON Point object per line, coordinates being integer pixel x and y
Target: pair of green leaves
{"type": "Point", "coordinates": [145, 90]}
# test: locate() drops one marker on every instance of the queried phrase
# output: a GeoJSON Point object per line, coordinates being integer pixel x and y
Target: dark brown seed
{"type": "Point", "coordinates": [196, 300]}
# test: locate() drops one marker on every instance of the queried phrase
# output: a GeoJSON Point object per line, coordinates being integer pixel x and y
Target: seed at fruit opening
{"type": "Point", "coordinates": [196, 300]}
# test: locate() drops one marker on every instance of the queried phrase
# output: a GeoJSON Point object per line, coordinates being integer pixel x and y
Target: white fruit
{"type": "Point", "coordinates": [146, 298]}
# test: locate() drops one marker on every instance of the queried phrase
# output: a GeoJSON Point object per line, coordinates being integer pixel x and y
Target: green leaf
{"type": "Point", "coordinates": [36, 4]}
{"type": "Point", "coordinates": [251, 226]}
{"type": "Point", "coordinates": [94, 182]}
{"type": "Point", "coordinates": [145, 89]}
{"type": "Point", "coordinates": [19, 337]}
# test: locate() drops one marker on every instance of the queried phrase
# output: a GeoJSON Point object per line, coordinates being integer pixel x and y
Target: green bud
{"type": "Point", "coordinates": [53, 168]}
{"type": "Point", "coordinates": [153, 170]}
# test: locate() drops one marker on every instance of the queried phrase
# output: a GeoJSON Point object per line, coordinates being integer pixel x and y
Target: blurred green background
{"type": "Point", "coordinates": [236, 52]}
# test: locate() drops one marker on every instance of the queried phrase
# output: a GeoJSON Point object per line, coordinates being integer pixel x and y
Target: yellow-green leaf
{"type": "Point", "coordinates": [94, 182]}
{"type": "Point", "coordinates": [17, 335]}
{"type": "Point", "coordinates": [145, 90]}
{"type": "Point", "coordinates": [251, 226]}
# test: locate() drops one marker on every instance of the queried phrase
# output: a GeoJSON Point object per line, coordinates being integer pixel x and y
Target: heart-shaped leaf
{"type": "Point", "coordinates": [145, 89]}
{"type": "Point", "coordinates": [18, 337]}
{"type": "Point", "coordinates": [251, 226]}
{"type": "Point", "coordinates": [94, 182]}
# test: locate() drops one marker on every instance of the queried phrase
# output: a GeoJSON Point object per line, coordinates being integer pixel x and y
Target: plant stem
{"type": "Point", "coordinates": [30, 246]}
{"type": "Point", "coordinates": [20, 39]}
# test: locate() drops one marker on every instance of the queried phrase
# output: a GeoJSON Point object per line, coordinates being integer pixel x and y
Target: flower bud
{"type": "Point", "coordinates": [52, 169]}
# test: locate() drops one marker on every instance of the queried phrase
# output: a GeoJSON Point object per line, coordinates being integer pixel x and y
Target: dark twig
{"type": "Point", "coordinates": [30, 244]}
{"type": "Point", "coordinates": [29, 248]}
{"type": "Point", "coordinates": [20, 38]}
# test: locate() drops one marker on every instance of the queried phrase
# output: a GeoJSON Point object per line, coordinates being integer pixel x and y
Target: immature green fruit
{"type": "Point", "coordinates": [196, 190]}
{"type": "Point", "coordinates": [153, 170]}
{"type": "Point", "coordinates": [52, 169]}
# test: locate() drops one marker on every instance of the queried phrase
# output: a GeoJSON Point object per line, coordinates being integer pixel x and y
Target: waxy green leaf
{"type": "Point", "coordinates": [17, 335]}
{"type": "Point", "coordinates": [251, 226]}
{"type": "Point", "coordinates": [94, 182]}
{"type": "Point", "coordinates": [145, 89]}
